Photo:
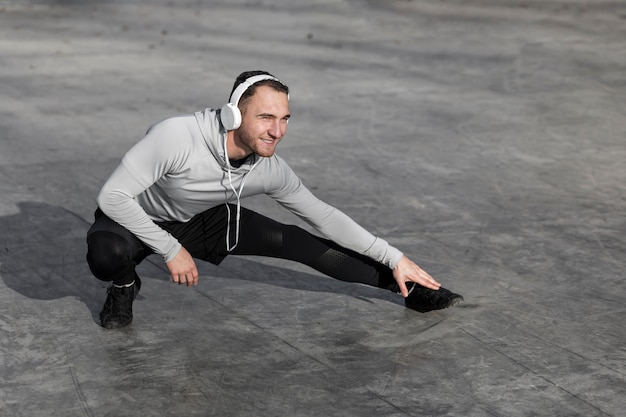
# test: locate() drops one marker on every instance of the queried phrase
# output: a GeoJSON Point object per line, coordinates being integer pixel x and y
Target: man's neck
{"type": "Point", "coordinates": [236, 163]}
{"type": "Point", "coordinates": [235, 153]}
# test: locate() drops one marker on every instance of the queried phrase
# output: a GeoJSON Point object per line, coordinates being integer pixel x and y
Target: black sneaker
{"type": "Point", "coordinates": [118, 308]}
{"type": "Point", "coordinates": [423, 299]}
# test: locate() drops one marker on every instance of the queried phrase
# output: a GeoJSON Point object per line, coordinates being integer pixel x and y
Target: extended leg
{"type": "Point", "coordinates": [263, 236]}
{"type": "Point", "coordinates": [266, 237]}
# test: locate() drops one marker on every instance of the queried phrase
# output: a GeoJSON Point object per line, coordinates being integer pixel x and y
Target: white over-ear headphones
{"type": "Point", "coordinates": [230, 114]}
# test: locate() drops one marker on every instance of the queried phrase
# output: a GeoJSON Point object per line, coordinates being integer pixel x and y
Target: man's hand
{"type": "Point", "coordinates": [183, 268]}
{"type": "Point", "coordinates": [408, 271]}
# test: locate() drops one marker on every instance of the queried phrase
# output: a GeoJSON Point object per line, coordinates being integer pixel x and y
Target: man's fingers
{"type": "Point", "coordinates": [403, 290]}
{"type": "Point", "coordinates": [179, 279]}
{"type": "Point", "coordinates": [432, 284]}
{"type": "Point", "coordinates": [191, 280]}
{"type": "Point", "coordinates": [427, 281]}
{"type": "Point", "coordinates": [187, 279]}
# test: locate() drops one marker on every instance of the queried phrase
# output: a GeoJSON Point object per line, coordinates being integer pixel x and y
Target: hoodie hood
{"type": "Point", "coordinates": [214, 135]}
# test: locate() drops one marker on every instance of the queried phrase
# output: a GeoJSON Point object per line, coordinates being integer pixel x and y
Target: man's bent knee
{"type": "Point", "coordinates": [109, 256]}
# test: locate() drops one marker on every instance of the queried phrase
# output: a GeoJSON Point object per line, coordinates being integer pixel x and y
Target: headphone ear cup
{"type": "Point", "coordinates": [230, 116]}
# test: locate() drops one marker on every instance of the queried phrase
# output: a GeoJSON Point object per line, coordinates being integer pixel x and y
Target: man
{"type": "Point", "coordinates": [172, 195]}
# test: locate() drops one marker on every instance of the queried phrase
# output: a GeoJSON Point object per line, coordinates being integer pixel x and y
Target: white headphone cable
{"type": "Point", "coordinates": [238, 195]}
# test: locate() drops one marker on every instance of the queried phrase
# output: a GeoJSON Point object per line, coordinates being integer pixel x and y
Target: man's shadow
{"type": "Point", "coordinates": [42, 253]}
{"type": "Point", "coordinates": [42, 257]}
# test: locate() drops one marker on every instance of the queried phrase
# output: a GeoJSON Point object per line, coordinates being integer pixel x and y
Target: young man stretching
{"type": "Point", "coordinates": [177, 193]}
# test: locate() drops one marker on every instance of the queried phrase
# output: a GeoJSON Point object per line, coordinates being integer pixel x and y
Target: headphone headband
{"type": "Point", "coordinates": [241, 88]}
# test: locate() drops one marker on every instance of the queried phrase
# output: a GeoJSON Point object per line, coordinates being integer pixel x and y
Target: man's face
{"type": "Point", "coordinates": [263, 122]}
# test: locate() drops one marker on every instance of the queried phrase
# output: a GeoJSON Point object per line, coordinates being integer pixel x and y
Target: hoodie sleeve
{"type": "Point", "coordinates": [151, 158]}
{"type": "Point", "coordinates": [331, 222]}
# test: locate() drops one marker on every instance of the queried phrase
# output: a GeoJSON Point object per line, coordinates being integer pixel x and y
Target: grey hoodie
{"type": "Point", "coordinates": [179, 169]}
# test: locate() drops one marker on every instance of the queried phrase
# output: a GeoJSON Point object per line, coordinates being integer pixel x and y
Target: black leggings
{"type": "Point", "coordinates": [113, 252]}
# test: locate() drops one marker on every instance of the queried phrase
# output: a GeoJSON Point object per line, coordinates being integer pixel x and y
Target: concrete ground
{"type": "Point", "coordinates": [486, 139]}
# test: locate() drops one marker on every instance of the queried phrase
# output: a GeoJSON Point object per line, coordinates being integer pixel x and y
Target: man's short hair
{"type": "Point", "coordinates": [276, 85]}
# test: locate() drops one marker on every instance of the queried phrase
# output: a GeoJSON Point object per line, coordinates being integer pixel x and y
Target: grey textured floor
{"type": "Point", "coordinates": [486, 139]}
